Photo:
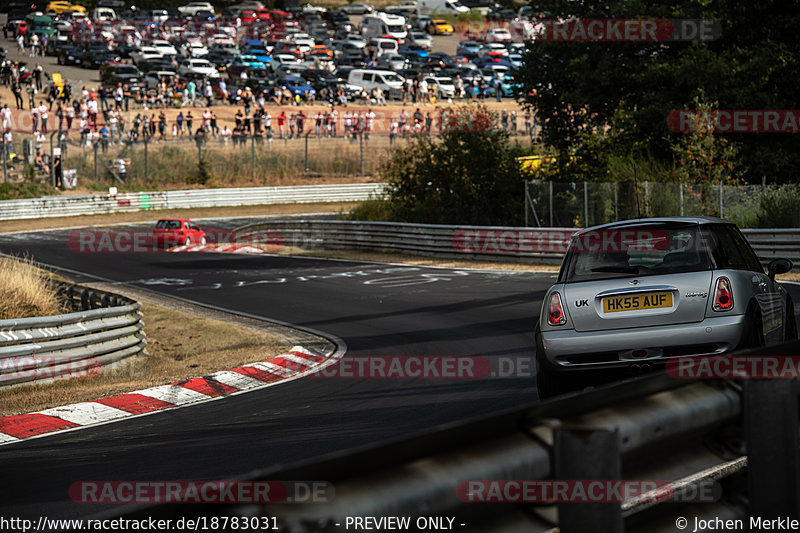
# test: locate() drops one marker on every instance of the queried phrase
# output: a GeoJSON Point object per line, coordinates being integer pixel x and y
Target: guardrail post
{"type": "Point", "coordinates": [582, 453]}
{"type": "Point", "coordinates": [773, 447]}
{"type": "Point", "coordinates": [361, 137]}
{"type": "Point", "coordinates": [84, 300]}
{"type": "Point", "coordinates": [551, 203]}
{"type": "Point", "coordinates": [680, 196]}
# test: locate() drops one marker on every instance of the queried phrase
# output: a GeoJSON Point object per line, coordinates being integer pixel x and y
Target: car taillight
{"type": "Point", "coordinates": [723, 295]}
{"type": "Point", "coordinates": [555, 311]}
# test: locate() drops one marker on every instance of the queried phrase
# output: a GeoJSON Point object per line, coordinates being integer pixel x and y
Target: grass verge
{"type": "Point", "coordinates": [24, 290]}
{"type": "Point", "coordinates": [180, 346]}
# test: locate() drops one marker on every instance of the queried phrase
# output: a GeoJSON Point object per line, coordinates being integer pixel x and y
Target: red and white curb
{"type": "Point", "coordinates": [291, 365]}
{"type": "Point", "coordinates": [217, 248]}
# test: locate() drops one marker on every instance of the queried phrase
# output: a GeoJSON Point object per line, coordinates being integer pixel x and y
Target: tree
{"type": "Point", "coordinates": [578, 88]}
{"type": "Point", "coordinates": [465, 175]}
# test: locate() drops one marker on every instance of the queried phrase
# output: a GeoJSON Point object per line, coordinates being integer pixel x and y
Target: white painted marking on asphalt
{"type": "Point", "coordinates": [173, 394]}
{"type": "Point", "coordinates": [85, 413]}
{"type": "Point", "coordinates": [235, 379]}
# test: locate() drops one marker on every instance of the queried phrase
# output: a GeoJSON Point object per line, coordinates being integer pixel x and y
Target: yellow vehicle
{"type": "Point", "coordinates": [440, 27]}
{"type": "Point", "coordinates": [60, 6]}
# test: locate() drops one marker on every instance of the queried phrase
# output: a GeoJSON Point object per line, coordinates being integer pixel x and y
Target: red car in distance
{"type": "Point", "coordinates": [177, 231]}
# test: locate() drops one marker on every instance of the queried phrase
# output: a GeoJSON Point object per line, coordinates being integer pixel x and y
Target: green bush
{"type": "Point", "coordinates": [466, 175]}
{"type": "Point", "coordinates": [781, 207]}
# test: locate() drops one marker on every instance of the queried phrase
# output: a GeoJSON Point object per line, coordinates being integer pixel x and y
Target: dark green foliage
{"type": "Point", "coordinates": [466, 175]}
{"type": "Point", "coordinates": [628, 89]}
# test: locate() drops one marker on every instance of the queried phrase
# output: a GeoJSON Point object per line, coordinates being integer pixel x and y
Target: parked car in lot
{"type": "Point", "coordinates": [632, 294]}
{"type": "Point", "coordinates": [440, 27]}
{"type": "Point", "coordinates": [193, 7]}
{"type": "Point", "coordinates": [113, 74]}
{"type": "Point", "coordinates": [357, 9]}
{"type": "Point", "coordinates": [177, 231]}
{"type": "Point", "coordinates": [198, 66]}
{"type": "Point", "coordinates": [70, 55]}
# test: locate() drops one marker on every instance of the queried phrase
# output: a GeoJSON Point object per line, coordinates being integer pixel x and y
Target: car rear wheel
{"type": "Point", "coordinates": [752, 336]}
{"type": "Point", "coordinates": [203, 240]}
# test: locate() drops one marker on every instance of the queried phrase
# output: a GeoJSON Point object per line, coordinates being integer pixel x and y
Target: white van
{"type": "Point", "coordinates": [380, 24]}
{"type": "Point", "coordinates": [389, 82]}
{"type": "Point", "coordinates": [441, 7]}
{"type": "Point", "coordinates": [379, 46]}
{"type": "Point", "coordinates": [104, 13]}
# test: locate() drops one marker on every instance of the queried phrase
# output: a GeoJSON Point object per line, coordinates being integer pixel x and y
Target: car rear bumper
{"type": "Point", "coordinates": [573, 350]}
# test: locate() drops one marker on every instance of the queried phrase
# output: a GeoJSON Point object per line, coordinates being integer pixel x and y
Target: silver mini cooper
{"type": "Point", "coordinates": [632, 294]}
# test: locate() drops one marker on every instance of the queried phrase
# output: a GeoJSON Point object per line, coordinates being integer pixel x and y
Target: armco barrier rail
{"type": "Point", "coordinates": [105, 329]}
{"type": "Point", "coordinates": [717, 450]}
{"type": "Point", "coordinates": [467, 242]}
{"type": "Point", "coordinates": [61, 206]}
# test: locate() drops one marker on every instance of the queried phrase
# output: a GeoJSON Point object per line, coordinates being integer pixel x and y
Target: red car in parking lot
{"type": "Point", "coordinates": [176, 231]}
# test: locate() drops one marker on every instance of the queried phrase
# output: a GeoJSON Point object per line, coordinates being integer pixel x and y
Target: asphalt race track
{"type": "Point", "coordinates": [376, 309]}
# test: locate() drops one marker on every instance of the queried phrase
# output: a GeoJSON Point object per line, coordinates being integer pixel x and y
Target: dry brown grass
{"type": "Point", "coordinates": [24, 290]}
{"type": "Point", "coordinates": [180, 346]}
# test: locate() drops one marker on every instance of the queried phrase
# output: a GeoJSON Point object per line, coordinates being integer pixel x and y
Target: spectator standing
{"type": "Point", "coordinates": [43, 115]}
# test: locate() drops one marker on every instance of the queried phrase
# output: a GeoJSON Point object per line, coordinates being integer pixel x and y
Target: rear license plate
{"type": "Point", "coordinates": [635, 302]}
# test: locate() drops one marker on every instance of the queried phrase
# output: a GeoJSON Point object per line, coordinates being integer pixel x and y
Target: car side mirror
{"type": "Point", "coordinates": [779, 266]}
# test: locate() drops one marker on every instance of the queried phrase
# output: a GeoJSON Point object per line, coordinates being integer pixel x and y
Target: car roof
{"type": "Point", "coordinates": [660, 220]}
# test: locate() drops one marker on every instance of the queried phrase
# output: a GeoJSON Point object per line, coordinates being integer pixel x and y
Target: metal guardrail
{"type": "Point", "coordinates": [724, 449]}
{"type": "Point", "coordinates": [60, 206]}
{"type": "Point", "coordinates": [488, 243]}
{"type": "Point", "coordinates": [106, 328]}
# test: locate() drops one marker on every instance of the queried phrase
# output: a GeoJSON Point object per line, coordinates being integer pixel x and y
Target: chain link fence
{"type": "Point", "coordinates": [584, 204]}
{"type": "Point", "coordinates": [155, 159]}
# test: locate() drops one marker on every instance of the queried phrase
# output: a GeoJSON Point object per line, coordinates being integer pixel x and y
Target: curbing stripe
{"type": "Point", "coordinates": [291, 365]}
{"type": "Point", "coordinates": [134, 404]}
{"type": "Point", "coordinates": [174, 394]}
{"type": "Point", "coordinates": [209, 387]}
{"type": "Point", "coordinates": [275, 369]}
{"type": "Point", "coordinates": [7, 438]}
{"type": "Point", "coordinates": [22, 426]}
{"type": "Point", "coordinates": [297, 359]}
{"type": "Point", "coordinates": [85, 413]}
{"type": "Point", "coordinates": [256, 373]}
{"type": "Point", "coordinates": [235, 379]}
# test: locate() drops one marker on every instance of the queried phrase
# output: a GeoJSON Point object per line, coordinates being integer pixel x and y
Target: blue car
{"type": "Point", "coordinates": [412, 50]}
{"type": "Point", "coordinates": [258, 52]}
{"type": "Point", "coordinates": [296, 85]}
{"type": "Point", "coordinates": [468, 48]}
